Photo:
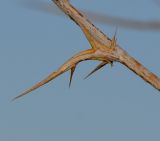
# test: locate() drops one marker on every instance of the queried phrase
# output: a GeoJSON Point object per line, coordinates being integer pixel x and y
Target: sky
{"type": "Point", "coordinates": [114, 104]}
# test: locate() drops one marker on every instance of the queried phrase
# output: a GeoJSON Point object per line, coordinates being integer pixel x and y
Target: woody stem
{"type": "Point", "coordinates": [139, 69]}
{"type": "Point", "coordinates": [104, 43]}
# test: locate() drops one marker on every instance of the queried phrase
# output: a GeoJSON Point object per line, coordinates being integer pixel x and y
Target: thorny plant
{"type": "Point", "coordinates": [102, 49]}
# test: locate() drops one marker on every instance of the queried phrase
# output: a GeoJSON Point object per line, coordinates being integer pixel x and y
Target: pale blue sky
{"type": "Point", "coordinates": [114, 104]}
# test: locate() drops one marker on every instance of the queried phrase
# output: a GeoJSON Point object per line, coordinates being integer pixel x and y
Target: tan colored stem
{"type": "Point", "coordinates": [103, 49]}
{"type": "Point", "coordinates": [140, 70]}
{"type": "Point", "coordinates": [101, 38]}
{"type": "Point", "coordinates": [82, 21]}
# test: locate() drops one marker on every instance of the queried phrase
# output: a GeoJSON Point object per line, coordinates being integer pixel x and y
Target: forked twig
{"type": "Point", "coordinates": [103, 49]}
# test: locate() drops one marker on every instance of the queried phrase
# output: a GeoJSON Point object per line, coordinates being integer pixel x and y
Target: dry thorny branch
{"type": "Point", "coordinates": [102, 49]}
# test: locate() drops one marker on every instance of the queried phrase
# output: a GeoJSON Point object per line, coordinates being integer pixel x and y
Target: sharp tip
{"type": "Point", "coordinates": [71, 75]}
{"type": "Point", "coordinates": [69, 84]}
{"type": "Point", "coordinates": [112, 64]}
{"type": "Point", "coordinates": [21, 95]}
{"type": "Point", "coordinates": [86, 76]}
{"type": "Point", "coordinates": [15, 98]}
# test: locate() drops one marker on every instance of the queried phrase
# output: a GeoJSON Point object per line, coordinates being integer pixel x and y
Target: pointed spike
{"type": "Point", "coordinates": [102, 64]}
{"type": "Point", "coordinates": [111, 63]}
{"type": "Point", "coordinates": [71, 75]}
{"type": "Point", "coordinates": [52, 76]}
{"type": "Point", "coordinates": [115, 34]}
{"type": "Point", "coordinates": [114, 39]}
{"type": "Point", "coordinates": [81, 56]}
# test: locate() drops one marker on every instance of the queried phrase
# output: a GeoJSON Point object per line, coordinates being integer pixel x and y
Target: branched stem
{"type": "Point", "coordinates": [103, 49]}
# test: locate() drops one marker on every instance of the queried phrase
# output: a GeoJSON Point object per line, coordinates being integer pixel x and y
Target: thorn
{"type": "Point", "coordinates": [71, 75]}
{"type": "Point", "coordinates": [102, 64]}
{"type": "Point", "coordinates": [111, 63]}
{"type": "Point", "coordinates": [116, 30]}
{"type": "Point", "coordinates": [114, 39]}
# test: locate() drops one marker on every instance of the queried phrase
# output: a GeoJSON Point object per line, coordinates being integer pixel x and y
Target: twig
{"type": "Point", "coordinates": [103, 49]}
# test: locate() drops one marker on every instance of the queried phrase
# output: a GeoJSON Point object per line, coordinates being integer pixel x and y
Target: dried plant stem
{"type": "Point", "coordinates": [122, 55]}
{"type": "Point", "coordinates": [140, 70]}
{"type": "Point", "coordinates": [103, 49]}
